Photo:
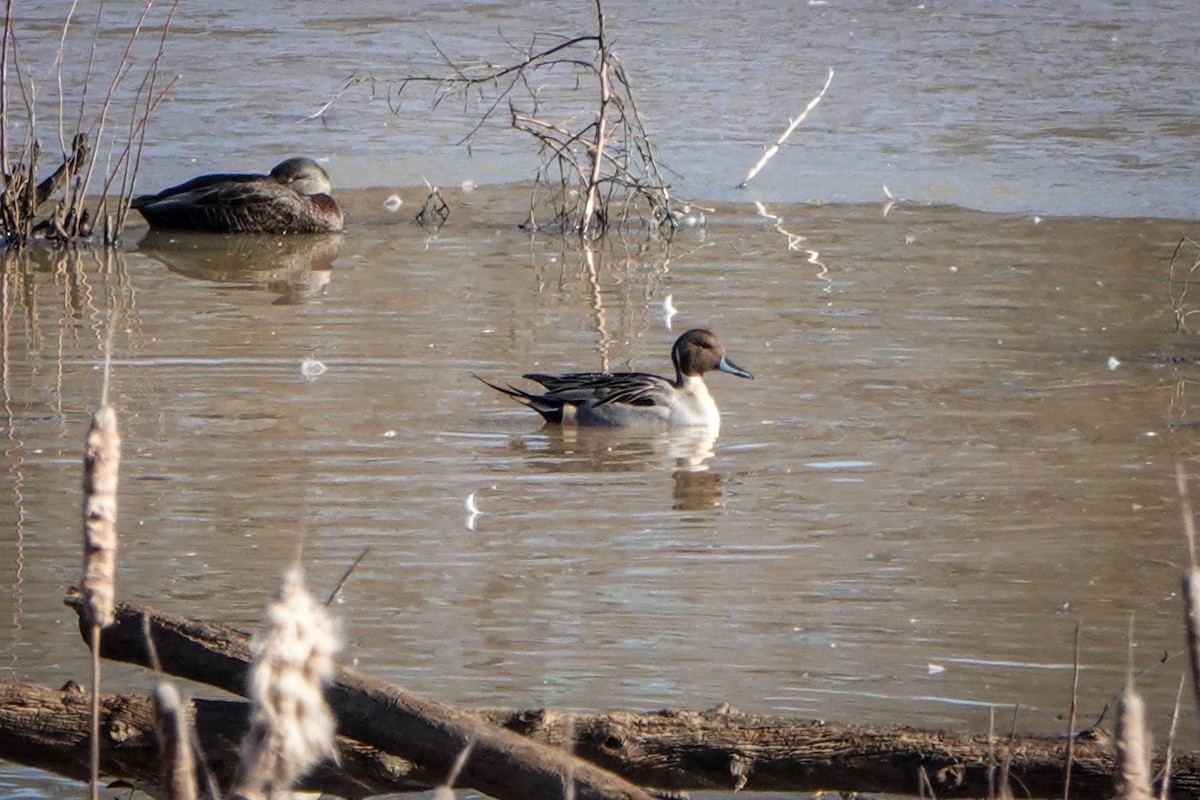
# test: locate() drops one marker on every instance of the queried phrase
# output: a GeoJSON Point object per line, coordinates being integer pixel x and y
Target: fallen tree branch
{"type": "Point", "coordinates": [721, 748]}
{"type": "Point", "coordinates": [503, 764]}
{"type": "Point", "coordinates": [49, 729]}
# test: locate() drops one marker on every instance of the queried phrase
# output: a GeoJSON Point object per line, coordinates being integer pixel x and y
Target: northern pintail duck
{"type": "Point", "coordinates": [294, 198]}
{"type": "Point", "coordinates": [634, 399]}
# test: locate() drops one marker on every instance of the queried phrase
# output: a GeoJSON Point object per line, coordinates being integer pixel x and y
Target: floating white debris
{"type": "Point", "coordinates": [1037, 220]}
{"type": "Point", "coordinates": [1113, 363]}
{"type": "Point", "coordinates": [692, 219]}
{"type": "Point", "coordinates": [909, 238]}
{"type": "Point", "coordinates": [888, 193]}
{"type": "Point", "coordinates": [393, 203]}
{"type": "Point", "coordinates": [389, 434]}
{"type": "Point", "coordinates": [312, 369]}
{"type": "Point", "coordinates": [469, 186]}
{"type": "Point", "coordinates": [472, 511]}
{"type": "Point", "coordinates": [935, 669]}
{"type": "Point", "coordinates": [954, 269]}
{"type": "Point", "coordinates": [669, 311]}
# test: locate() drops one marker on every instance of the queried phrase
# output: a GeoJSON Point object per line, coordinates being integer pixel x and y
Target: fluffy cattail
{"type": "Point", "coordinates": [1133, 748]}
{"type": "Point", "coordinates": [101, 462]}
{"type": "Point", "coordinates": [174, 744]}
{"type": "Point", "coordinates": [291, 727]}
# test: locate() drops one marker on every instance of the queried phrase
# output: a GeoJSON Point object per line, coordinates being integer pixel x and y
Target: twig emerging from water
{"type": "Point", "coordinates": [434, 211]}
{"type": "Point", "coordinates": [793, 124]}
{"type": "Point", "coordinates": [345, 577]}
{"type": "Point", "coordinates": [1178, 301]}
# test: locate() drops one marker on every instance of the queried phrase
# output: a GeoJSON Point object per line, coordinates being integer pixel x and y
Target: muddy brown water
{"type": "Point", "coordinates": [960, 442]}
{"type": "Point", "coordinates": [940, 469]}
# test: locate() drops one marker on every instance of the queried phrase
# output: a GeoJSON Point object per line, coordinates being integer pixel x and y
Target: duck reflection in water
{"type": "Point", "coordinates": [684, 454]}
{"type": "Point", "coordinates": [294, 198]}
{"type": "Point", "coordinates": [297, 268]}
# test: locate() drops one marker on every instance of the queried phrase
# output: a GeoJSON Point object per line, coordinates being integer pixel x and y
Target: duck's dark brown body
{"type": "Point", "coordinates": [294, 198]}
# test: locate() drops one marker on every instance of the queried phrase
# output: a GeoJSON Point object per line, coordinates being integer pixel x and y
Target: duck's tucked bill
{"type": "Point", "coordinates": [629, 399]}
{"type": "Point", "coordinates": [294, 198]}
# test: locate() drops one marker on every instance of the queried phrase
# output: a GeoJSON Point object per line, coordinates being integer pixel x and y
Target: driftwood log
{"type": "Point", "coordinates": [502, 764]}
{"type": "Point", "coordinates": [721, 749]}
{"type": "Point", "coordinates": [50, 728]}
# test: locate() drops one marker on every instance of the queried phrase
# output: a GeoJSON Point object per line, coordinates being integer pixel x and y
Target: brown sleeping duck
{"type": "Point", "coordinates": [294, 198]}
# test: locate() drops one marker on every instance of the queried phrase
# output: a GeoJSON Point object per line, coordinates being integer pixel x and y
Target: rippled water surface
{"type": "Point", "coordinates": [960, 442]}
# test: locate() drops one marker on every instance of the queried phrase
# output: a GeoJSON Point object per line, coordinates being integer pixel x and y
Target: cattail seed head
{"type": "Point", "coordinates": [1133, 748]}
{"type": "Point", "coordinates": [174, 744]}
{"type": "Point", "coordinates": [291, 726]}
{"type": "Point", "coordinates": [101, 464]}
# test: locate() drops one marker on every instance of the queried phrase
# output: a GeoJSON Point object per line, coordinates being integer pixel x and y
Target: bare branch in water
{"type": "Point", "coordinates": [792, 125]}
{"type": "Point", "coordinates": [598, 171]}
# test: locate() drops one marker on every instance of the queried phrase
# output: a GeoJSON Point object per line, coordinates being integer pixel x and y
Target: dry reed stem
{"type": "Point", "coordinates": [291, 726]}
{"type": "Point", "coordinates": [174, 744]}
{"type": "Point", "coordinates": [1164, 789]}
{"type": "Point", "coordinates": [991, 755]}
{"type": "Point", "coordinates": [446, 790]}
{"type": "Point", "coordinates": [592, 222]}
{"type": "Point", "coordinates": [792, 125]}
{"type": "Point", "coordinates": [1074, 715]}
{"type": "Point", "coordinates": [1191, 581]}
{"type": "Point", "coordinates": [1133, 747]}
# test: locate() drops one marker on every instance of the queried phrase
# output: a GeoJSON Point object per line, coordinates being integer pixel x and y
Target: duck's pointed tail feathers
{"type": "Point", "coordinates": [550, 410]}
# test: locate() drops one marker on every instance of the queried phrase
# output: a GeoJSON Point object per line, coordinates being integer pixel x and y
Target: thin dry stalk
{"type": "Point", "coordinates": [1073, 718]}
{"type": "Point", "coordinates": [792, 125]}
{"type": "Point", "coordinates": [8, 35]}
{"type": "Point", "coordinates": [1006, 792]}
{"type": "Point", "coordinates": [1190, 581]}
{"type": "Point", "coordinates": [345, 577]}
{"type": "Point", "coordinates": [102, 120]}
{"type": "Point", "coordinates": [991, 755]}
{"type": "Point", "coordinates": [174, 744]}
{"type": "Point", "coordinates": [924, 785]}
{"type": "Point", "coordinates": [291, 726]}
{"type": "Point", "coordinates": [591, 222]}
{"type": "Point", "coordinates": [1164, 789]}
{"type": "Point", "coordinates": [446, 790]}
